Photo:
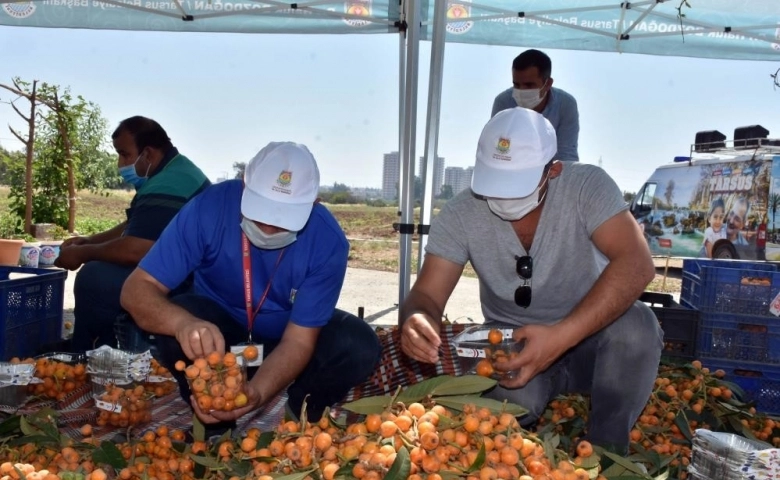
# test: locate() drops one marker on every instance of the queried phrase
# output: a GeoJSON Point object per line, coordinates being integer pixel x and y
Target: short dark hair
{"type": "Point", "coordinates": [146, 133]}
{"type": "Point", "coordinates": [533, 58]}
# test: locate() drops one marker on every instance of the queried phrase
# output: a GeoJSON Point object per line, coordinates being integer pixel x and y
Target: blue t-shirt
{"type": "Point", "coordinates": [562, 113]}
{"type": "Point", "coordinates": [205, 238]}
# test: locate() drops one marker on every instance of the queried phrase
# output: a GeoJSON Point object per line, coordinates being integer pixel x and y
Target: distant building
{"type": "Point", "coordinates": [391, 175]}
{"type": "Point", "coordinates": [458, 178]}
{"type": "Point", "coordinates": [438, 174]}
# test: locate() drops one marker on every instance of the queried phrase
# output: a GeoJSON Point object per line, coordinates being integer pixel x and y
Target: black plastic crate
{"type": "Point", "coordinates": [680, 325]}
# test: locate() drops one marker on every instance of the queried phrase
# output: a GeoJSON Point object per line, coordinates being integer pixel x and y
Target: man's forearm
{"type": "Point", "coordinates": [619, 285]}
{"type": "Point", "coordinates": [126, 251]}
{"type": "Point", "coordinates": [417, 302]}
{"type": "Point", "coordinates": [281, 368]}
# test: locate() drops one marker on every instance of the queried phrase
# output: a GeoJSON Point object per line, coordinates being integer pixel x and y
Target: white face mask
{"type": "Point", "coordinates": [511, 209]}
{"type": "Point", "coordinates": [528, 98]}
{"type": "Point", "coordinates": [266, 241]}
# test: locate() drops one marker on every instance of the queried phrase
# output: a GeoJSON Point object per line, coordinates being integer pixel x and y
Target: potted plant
{"type": "Point", "coordinates": [11, 240]}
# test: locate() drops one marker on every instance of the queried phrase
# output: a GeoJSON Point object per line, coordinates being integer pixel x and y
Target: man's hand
{"type": "Point", "coordinates": [214, 416]}
{"type": "Point", "coordinates": [544, 344]}
{"type": "Point", "coordinates": [70, 257]}
{"type": "Point", "coordinates": [74, 241]}
{"type": "Point", "coordinates": [420, 339]}
{"type": "Point", "coordinates": [198, 338]}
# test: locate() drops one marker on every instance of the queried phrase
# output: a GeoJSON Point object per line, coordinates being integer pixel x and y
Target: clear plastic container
{"type": "Point", "coordinates": [478, 355]}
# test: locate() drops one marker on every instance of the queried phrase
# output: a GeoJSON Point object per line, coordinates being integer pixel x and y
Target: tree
{"type": "Point", "coordinates": [7, 158]}
{"type": "Point", "coordinates": [68, 149]}
{"type": "Point", "coordinates": [340, 188]}
{"type": "Point", "coordinates": [30, 93]}
{"type": "Point", "coordinates": [774, 202]}
{"type": "Point", "coordinates": [239, 168]}
{"type": "Point", "coordinates": [629, 196]}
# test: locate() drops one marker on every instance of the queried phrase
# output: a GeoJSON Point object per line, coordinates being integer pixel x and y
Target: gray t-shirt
{"type": "Point", "coordinates": [566, 263]}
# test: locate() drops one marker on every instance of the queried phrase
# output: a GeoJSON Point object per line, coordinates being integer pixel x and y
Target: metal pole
{"type": "Point", "coordinates": [432, 121]}
{"type": "Point", "coordinates": [406, 186]}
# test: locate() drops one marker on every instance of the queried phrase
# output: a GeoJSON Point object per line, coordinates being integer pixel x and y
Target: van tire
{"type": "Point", "coordinates": [725, 251]}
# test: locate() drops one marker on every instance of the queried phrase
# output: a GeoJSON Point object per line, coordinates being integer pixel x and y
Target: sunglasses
{"type": "Point", "coordinates": [525, 268]}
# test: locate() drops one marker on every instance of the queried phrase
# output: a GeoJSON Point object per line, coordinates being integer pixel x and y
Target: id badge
{"type": "Point", "coordinates": [250, 360]}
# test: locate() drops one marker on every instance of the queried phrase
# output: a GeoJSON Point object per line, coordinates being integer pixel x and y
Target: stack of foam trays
{"type": "Point", "coordinates": [725, 456]}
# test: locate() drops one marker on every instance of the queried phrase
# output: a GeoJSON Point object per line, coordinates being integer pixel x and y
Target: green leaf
{"type": "Point", "coordinates": [622, 462]}
{"type": "Point", "coordinates": [401, 466]}
{"type": "Point", "coordinates": [205, 461]}
{"type": "Point", "coordinates": [466, 385]}
{"type": "Point", "coordinates": [369, 405]}
{"type": "Point", "coordinates": [10, 425]}
{"type": "Point", "coordinates": [198, 430]}
{"type": "Point", "coordinates": [34, 439]}
{"type": "Point", "coordinates": [682, 423]}
{"type": "Point", "coordinates": [109, 454]}
{"type": "Point", "coordinates": [418, 391]}
{"type": "Point", "coordinates": [27, 428]}
{"type": "Point", "coordinates": [265, 439]}
{"type": "Point", "coordinates": [296, 476]}
{"type": "Point", "coordinates": [346, 469]}
{"type": "Point", "coordinates": [239, 469]}
{"type": "Point", "coordinates": [549, 451]}
{"type": "Point", "coordinates": [457, 403]}
{"type": "Point", "coordinates": [590, 462]}
{"type": "Point", "coordinates": [479, 461]}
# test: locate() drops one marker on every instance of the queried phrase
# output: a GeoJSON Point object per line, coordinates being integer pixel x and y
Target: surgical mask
{"type": "Point", "coordinates": [511, 209]}
{"type": "Point", "coordinates": [528, 98]}
{"type": "Point", "coordinates": [266, 241]}
{"type": "Point", "coordinates": [130, 176]}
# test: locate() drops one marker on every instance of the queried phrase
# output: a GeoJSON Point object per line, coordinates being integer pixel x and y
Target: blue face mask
{"type": "Point", "coordinates": [130, 176]}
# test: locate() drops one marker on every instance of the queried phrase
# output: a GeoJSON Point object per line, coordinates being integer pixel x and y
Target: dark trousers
{"type": "Point", "coordinates": [96, 291]}
{"type": "Point", "coordinates": [346, 354]}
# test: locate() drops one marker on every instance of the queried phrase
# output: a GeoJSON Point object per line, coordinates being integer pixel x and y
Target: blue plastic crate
{"type": "Point", "coordinates": [740, 291]}
{"type": "Point", "coordinates": [31, 301]}
{"type": "Point", "coordinates": [739, 337]}
{"type": "Point", "coordinates": [761, 382]}
{"type": "Point", "coordinates": [697, 277]}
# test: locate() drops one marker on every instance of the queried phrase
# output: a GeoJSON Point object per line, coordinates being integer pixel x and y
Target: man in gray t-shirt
{"type": "Point", "coordinates": [559, 256]}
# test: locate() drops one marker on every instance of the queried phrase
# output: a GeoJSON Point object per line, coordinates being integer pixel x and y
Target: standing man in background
{"type": "Point", "coordinates": [532, 88]}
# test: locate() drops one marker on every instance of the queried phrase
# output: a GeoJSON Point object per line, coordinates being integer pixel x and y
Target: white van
{"type": "Point", "coordinates": [721, 201]}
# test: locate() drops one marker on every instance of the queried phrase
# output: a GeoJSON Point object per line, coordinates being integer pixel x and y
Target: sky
{"type": "Point", "coordinates": [222, 97]}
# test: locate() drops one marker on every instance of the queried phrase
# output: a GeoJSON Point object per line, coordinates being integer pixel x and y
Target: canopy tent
{"type": "Point", "coordinates": [727, 29]}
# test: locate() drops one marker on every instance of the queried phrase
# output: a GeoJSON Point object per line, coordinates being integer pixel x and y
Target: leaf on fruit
{"type": "Point", "coordinates": [466, 385]}
{"type": "Point", "coordinates": [401, 467]}
{"type": "Point", "coordinates": [109, 454]}
{"type": "Point", "coordinates": [479, 461]}
{"type": "Point", "coordinates": [418, 391]}
{"type": "Point", "coordinates": [369, 405]}
{"type": "Point", "coordinates": [457, 403]}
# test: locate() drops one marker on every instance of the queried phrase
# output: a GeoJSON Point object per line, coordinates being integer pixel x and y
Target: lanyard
{"type": "Point", "coordinates": [250, 312]}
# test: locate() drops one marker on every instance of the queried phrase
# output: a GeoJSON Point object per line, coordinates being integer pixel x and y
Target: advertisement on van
{"type": "Point", "coordinates": [713, 209]}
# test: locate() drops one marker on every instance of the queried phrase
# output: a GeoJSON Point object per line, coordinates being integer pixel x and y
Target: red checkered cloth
{"type": "Point", "coordinates": [395, 370]}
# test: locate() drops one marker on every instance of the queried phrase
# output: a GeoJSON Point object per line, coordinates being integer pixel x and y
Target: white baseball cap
{"type": "Point", "coordinates": [513, 149]}
{"type": "Point", "coordinates": [280, 186]}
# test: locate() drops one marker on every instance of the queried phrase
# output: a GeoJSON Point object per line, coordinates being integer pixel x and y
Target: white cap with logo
{"type": "Point", "coordinates": [281, 184]}
{"type": "Point", "coordinates": [513, 149]}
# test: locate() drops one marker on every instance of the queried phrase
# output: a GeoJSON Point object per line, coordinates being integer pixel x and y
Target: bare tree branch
{"type": "Point", "coordinates": [17, 135]}
{"type": "Point", "coordinates": [19, 112]}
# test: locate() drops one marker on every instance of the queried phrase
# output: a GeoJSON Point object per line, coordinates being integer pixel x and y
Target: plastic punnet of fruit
{"type": "Point", "coordinates": [124, 407]}
{"type": "Point", "coordinates": [160, 381]}
{"type": "Point", "coordinates": [479, 348]}
{"type": "Point", "coordinates": [217, 381]}
{"type": "Point", "coordinates": [58, 374]}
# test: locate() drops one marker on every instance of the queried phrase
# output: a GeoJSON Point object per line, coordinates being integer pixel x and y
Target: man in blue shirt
{"type": "Point", "coordinates": [271, 231]}
{"type": "Point", "coordinates": [532, 88]}
{"type": "Point", "coordinates": [165, 181]}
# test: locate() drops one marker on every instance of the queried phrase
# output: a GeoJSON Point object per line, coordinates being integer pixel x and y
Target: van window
{"type": "Point", "coordinates": [644, 199]}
